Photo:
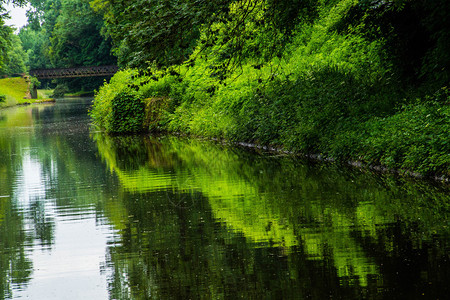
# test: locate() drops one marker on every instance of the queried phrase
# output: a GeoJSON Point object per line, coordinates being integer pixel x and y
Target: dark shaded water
{"type": "Point", "coordinates": [86, 216]}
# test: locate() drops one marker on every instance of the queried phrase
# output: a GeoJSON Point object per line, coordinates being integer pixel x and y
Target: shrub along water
{"type": "Point", "coordinates": [335, 87]}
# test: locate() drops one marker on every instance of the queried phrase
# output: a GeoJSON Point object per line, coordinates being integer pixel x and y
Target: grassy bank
{"type": "Point", "coordinates": [337, 88]}
{"type": "Point", "coordinates": [14, 90]}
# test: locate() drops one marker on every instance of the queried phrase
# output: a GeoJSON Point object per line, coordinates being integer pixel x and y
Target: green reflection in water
{"type": "Point", "coordinates": [351, 221]}
{"type": "Point", "coordinates": [15, 265]}
{"type": "Point", "coordinates": [233, 200]}
{"type": "Point", "coordinates": [47, 168]}
{"type": "Point", "coordinates": [199, 220]}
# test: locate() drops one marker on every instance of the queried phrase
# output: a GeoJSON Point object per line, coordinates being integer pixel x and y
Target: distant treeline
{"type": "Point", "coordinates": [59, 34]}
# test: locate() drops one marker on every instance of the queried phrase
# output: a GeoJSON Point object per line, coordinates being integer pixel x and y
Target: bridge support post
{"type": "Point", "coordinates": [31, 90]}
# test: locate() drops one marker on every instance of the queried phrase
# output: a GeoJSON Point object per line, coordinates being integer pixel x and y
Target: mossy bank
{"type": "Point", "coordinates": [340, 86]}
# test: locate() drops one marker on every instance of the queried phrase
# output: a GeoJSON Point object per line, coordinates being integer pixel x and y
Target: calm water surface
{"type": "Point", "coordinates": [87, 216]}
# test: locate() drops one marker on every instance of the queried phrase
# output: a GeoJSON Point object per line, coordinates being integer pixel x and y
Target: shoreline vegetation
{"type": "Point", "coordinates": [347, 82]}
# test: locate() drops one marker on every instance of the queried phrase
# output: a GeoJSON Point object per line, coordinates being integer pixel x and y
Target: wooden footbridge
{"type": "Point", "coordinates": [74, 72]}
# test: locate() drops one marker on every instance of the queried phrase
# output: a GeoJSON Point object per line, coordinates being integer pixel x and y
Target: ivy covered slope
{"type": "Point", "coordinates": [352, 80]}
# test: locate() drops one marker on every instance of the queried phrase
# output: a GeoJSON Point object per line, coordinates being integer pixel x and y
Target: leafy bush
{"type": "Point", "coordinates": [101, 112]}
{"type": "Point", "coordinates": [127, 113]}
{"type": "Point", "coordinates": [60, 90]}
{"type": "Point", "coordinates": [131, 103]}
{"type": "Point", "coordinates": [156, 113]}
{"type": "Point", "coordinates": [35, 83]}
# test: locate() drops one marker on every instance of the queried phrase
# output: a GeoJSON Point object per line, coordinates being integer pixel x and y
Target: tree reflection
{"type": "Point", "coordinates": [15, 266]}
{"type": "Point", "coordinates": [43, 225]}
{"type": "Point", "coordinates": [203, 220]}
{"type": "Point", "coordinates": [41, 159]}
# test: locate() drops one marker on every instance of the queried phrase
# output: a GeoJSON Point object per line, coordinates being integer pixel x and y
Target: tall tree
{"type": "Point", "coordinates": [35, 43]}
{"type": "Point", "coordinates": [6, 31]}
{"type": "Point", "coordinates": [35, 36]}
{"type": "Point", "coordinates": [16, 57]}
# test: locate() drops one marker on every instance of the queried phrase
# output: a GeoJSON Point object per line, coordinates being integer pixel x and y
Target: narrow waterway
{"type": "Point", "coordinates": [87, 216]}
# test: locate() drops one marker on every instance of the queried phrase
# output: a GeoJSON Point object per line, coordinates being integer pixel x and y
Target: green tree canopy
{"type": "Point", "coordinates": [66, 33]}
{"type": "Point", "coordinates": [16, 57]}
{"type": "Point", "coordinates": [12, 56]}
{"type": "Point", "coordinates": [35, 43]}
{"type": "Point", "coordinates": [76, 38]}
{"type": "Point", "coordinates": [164, 32]}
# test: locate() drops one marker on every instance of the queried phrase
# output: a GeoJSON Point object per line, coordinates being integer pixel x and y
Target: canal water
{"type": "Point", "coordinates": [88, 216]}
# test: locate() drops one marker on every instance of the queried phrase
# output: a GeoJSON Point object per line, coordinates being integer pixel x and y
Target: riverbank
{"type": "Point", "coordinates": [413, 138]}
{"type": "Point", "coordinates": [14, 90]}
{"type": "Point", "coordinates": [411, 142]}
{"type": "Point", "coordinates": [336, 89]}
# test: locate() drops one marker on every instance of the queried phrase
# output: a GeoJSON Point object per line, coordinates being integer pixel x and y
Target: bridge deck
{"type": "Point", "coordinates": [75, 72]}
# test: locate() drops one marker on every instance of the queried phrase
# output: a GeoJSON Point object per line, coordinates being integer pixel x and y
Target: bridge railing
{"type": "Point", "coordinates": [74, 72]}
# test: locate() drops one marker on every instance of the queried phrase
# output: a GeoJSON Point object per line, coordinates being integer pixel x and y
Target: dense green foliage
{"type": "Point", "coordinates": [76, 39]}
{"type": "Point", "coordinates": [415, 138]}
{"type": "Point", "coordinates": [16, 58]}
{"type": "Point", "coordinates": [345, 79]}
{"type": "Point", "coordinates": [163, 32]}
{"type": "Point", "coordinates": [12, 56]}
{"type": "Point", "coordinates": [34, 43]}
{"type": "Point", "coordinates": [127, 115]}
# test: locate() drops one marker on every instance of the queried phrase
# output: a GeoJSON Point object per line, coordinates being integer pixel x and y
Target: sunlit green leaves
{"type": "Point", "coordinates": [16, 58]}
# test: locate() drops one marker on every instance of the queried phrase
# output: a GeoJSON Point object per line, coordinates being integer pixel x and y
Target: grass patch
{"type": "Point", "coordinates": [45, 94]}
{"type": "Point", "coordinates": [14, 89]}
